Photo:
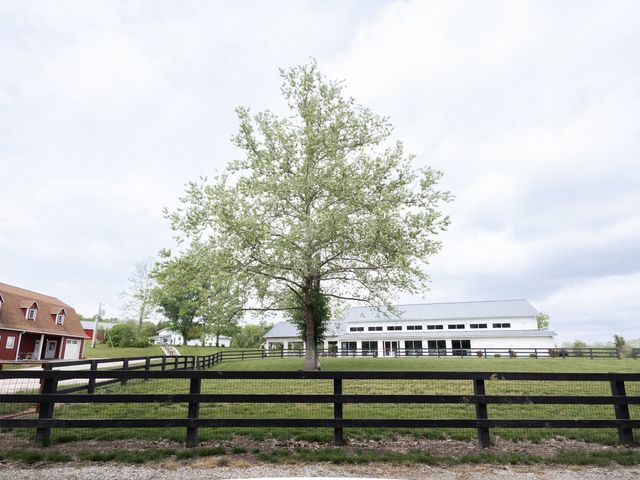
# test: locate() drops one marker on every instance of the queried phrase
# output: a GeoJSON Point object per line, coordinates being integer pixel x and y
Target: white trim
{"type": "Point", "coordinates": [19, 342]}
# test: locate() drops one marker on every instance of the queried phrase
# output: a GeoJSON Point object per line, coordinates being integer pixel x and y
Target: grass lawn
{"type": "Point", "coordinates": [444, 364]}
{"type": "Point", "coordinates": [203, 351]}
{"type": "Point", "coordinates": [407, 411]}
{"type": "Point", "coordinates": [104, 350]}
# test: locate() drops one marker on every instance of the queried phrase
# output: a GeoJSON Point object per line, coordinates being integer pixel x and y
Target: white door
{"type": "Point", "coordinates": [36, 350]}
{"type": "Point", "coordinates": [72, 350]}
{"type": "Point", "coordinates": [50, 350]}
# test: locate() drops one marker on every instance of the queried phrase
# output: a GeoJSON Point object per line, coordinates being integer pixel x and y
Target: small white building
{"type": "Point", "coordinates": [169, 337]}
{"type": "Point", "coordinates": [427, 329]}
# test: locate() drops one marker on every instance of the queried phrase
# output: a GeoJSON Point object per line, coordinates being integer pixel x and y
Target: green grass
{"type": "Point", "coordinates": [104, 350]}
{"type": "Point", "coordinates": [444, 364]}
{"type": "Point", "coordinates": [203, 351]}
{"type": "Point", "coordinates": [332, 455]}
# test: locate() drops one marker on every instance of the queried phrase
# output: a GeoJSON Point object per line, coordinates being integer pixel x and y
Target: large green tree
{"type": "Point", "coordinates": [197, 295]}
{"type": "Point", "coordinates": [174, 295]}
{"type": "Point", "coordinates": [321, 202]}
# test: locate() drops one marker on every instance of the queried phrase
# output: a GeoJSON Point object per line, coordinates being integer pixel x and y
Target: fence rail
{"type": "Point", "coordinates": [50, 395]}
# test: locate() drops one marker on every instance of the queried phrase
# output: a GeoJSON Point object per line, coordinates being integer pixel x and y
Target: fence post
{"type": "Point", "coordinates": [484, 438]}
{"type": "Point", "coordinates": [194, 411]}
{"type": "Point", "coordinates": [91, 386]}
{"type": "Point", "coordinates": [147, 366]}
{"type": "Point", "coordinates": [175, 362]}
{"type": "Point", "coordinates": [625, 434]}
{"type": "Point", "coordinates": [338, 434]}
{"type": "Point", "coordinates": [164, 362]}
{"type": "Point", "coordinates": [45, 409]}
{"type": "Point", "coordinates": [125, 366]}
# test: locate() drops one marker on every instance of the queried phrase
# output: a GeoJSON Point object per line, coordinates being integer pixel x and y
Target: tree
{"type": "Point", "coordinates": [138, 301]}
{"type": "Point", "coordinates": [619, 342]}
{"type": "Point", "coordinates": [175, 296]}
{"type": "Point", "coordinates": [251, 335]}
{"type": "Point", "coordinates": [321, 203]}
{"type": "Point", "coordinates": [543, 321]}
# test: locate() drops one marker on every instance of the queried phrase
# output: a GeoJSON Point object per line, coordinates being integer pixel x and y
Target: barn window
{"type": "Point", "coordinates": [10, 342]}
{"type": "Point", "coordinates": [32, 311]}
{"type": "Point", "coordinates": [1, 301]}
{"type": "Point", "coordinates": [60, 319]}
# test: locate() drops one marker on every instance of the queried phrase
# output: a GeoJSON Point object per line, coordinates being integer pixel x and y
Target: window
{"type": "Point", "coordinates": [478, 325]}
{"type": "Point", "coordinates": [435, 327]}
{"type": "Point", "coordinates": [414, 327]}
{"type": "Point", "coordinates": [60, 319]}
{"type": "Point", "coordinates": [394, 327]}
{"type": "Point", "coordinates": [10, 342]}
{"type": "Point", "coordinates": [349, 348]}
{"type": "Point", "coordinates": [456, 326]}
{"type": "Point", "coordinates": [31, 313]}
{"type": "Point", "coordinates": [374, 329]}
{"type": "Point", "coordinates": [501, 325]}
{"type": "Point", "coordinates": [1, 301]}
{"type": "Point", "coordinates": [356, 329]}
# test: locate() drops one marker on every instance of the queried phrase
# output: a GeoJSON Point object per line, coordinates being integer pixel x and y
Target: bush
{"type": "Point", "coordinates": [140, 342]}
{"type": "Point", "coordinates": [121, 335]}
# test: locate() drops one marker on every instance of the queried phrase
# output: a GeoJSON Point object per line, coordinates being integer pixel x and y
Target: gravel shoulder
{"type": "Point", "coordinates": [209, 469]}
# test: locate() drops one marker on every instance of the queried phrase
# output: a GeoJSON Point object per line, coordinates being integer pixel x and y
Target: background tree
{"type": "Point", "coordinates": [214, 296]}
{"type": "Point", "coordinates": [175, 296]}
{"type": "Point", "coordinates": [322, 202]}
{"type": "Point", "coordinates": [543, 321]}
{"type": "Point", "coordinates": [251, 335]}
{"type": "Point", "coordinates": [138, 298]}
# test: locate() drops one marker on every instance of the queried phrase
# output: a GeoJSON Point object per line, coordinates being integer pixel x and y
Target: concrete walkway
{"type": "Point", "coordinates": [14, 385]}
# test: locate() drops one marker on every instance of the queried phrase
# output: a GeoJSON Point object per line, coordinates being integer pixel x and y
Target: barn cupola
{"type": "Point", "coordinates": [30, 309]}
{"type": "Point", "coordinates": [58, 315]}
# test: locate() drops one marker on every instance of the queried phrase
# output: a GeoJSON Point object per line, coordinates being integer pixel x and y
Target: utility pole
{"type": "Point", "coordinates": [97, 318]}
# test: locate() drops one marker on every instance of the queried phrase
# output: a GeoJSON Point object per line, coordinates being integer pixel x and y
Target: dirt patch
{"type": "Point", "coordinates": [404, 444]}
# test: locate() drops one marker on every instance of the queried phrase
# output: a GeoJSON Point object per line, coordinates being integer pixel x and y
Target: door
{"type": "Point", "coordinates": [72, 350]}
{"type": "Point", "coordinates": [460, 347]}
{"type": "Point", "coordinates": [50, 349]}
{"type": "Point", "coordinates": [390, 348]}
{"type": "Point", "coordinates": [437, 347]}
{"type": "Point", "coordinates": [36, 350]}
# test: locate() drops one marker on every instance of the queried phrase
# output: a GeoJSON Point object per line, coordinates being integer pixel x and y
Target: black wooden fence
{"type": "Point", "coordinates": [50, 395]}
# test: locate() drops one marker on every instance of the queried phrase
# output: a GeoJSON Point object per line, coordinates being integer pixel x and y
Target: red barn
{"type": "Point", "coordinates": [36, 326]}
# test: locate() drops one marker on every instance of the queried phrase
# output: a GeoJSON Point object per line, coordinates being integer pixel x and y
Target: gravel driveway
{"type": "Point", "coordinates": [208, 469]}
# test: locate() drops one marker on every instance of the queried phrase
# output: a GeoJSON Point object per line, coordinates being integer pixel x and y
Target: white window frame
{"type": "Point", "coordinates": [35, 313]}
{"type": "Point", "coordinates": [60, 318]}
{"type": "Point", "coordinates": [11, 342]}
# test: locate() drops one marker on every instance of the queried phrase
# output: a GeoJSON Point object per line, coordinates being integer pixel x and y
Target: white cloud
{"type": "Point", "coordinates": [530, 109]}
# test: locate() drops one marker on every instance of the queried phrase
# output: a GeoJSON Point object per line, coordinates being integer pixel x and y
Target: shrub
{"type": "Point", "coordinates": [140, 342]}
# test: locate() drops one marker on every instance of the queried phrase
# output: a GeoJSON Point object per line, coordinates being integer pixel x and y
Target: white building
{"type": "Point", "coordinates": [169, 337]}
{"type": "Point", "coordinates": [428, 329]}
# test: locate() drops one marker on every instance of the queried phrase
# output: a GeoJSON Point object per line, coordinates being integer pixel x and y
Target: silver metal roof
{"type": "Point", "coordinates": [288, 329]}
{"type": "Point", "coordinates": [445, 311]}
{"type": "Point", "coordinates": [455, 334]}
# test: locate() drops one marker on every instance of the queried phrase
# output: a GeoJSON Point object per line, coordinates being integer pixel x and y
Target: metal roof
{"type": "Point", "coordinates": [288, 329]}
{"type": "Point", "coordinates": [455, 334]}
{"type": "Point", "coordinates": [445, 311]}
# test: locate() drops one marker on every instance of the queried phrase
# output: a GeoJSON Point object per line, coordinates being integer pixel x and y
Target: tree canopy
{"type": "Point", "coordinates": [321, 202]}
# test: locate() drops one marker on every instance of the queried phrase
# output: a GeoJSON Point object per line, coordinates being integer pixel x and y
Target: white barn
{"type": "Point", "coordinates": [428, 328]}
{"type": "Point", "coordinates": [169, 337]}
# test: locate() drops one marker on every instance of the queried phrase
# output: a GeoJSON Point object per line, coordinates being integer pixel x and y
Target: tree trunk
{"type": "Point", "coordinates": [311, 361]}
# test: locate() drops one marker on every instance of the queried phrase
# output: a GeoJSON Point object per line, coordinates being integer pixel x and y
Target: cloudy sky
{"type": "Point", "coordinates": [531, 109]}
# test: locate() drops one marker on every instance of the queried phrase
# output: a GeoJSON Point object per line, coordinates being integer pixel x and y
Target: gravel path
{"type": "Point", "coordinates": [208, 469]}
